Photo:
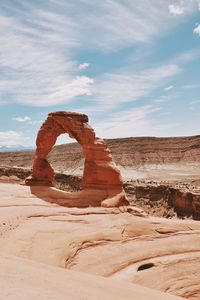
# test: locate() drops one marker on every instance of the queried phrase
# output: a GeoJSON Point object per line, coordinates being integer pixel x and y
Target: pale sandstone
{"type": "Point", "coordinates": [21, 280]}
{"type": "Point", "coordinates": [119, 243]}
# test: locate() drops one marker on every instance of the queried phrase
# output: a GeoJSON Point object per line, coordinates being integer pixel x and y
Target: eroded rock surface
{"type": "Point", "coordinates": [168, 200]}
{"type": "Point", "coordinates": [118, 243]}
{"type": "Point", "coordinates": [100, 172]}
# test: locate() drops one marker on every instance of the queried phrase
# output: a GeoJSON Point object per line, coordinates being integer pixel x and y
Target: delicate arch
{"type": "Point", "coordinates": [100, 172]}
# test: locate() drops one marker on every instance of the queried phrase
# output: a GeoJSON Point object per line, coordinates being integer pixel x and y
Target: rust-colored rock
{"type": "Point", "coordinates": [100, 172]}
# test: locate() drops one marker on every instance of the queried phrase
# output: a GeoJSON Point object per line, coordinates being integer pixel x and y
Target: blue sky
{"type": "Point", "coordinates": [132, 65]}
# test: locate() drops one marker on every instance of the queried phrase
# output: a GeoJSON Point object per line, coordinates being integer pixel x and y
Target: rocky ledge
{"type": "Point", "coordinates": [163, 199]}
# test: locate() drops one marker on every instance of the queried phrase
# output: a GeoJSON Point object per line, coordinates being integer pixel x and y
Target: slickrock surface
{"type": "Point", "coordinates": [100, 176]}
{"type": "Point", "coordinates": [121, 244]}
{"type": "Point", "coordinates": [21, 280]}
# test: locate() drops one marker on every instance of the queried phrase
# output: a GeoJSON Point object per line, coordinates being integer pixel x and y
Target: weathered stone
{"type": "Point", "coordinates": [100, 172]}
{"type": "Point", "coordinates": [41, 239]}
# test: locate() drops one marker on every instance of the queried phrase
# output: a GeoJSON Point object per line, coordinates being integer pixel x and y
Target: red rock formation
{"type": "Point", "coordinates": [100, 172]}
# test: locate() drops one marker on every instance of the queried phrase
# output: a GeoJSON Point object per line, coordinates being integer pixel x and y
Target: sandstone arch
{"type": "Point", "coordinates": [101, 183]}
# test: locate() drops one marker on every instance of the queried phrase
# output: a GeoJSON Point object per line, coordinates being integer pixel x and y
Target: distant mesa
{"type": "Point", "coordinates": [102, 182]}
{"type": "Point", "coordinates": [16, 148]}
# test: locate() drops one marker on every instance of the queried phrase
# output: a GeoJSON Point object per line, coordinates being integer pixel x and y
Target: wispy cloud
{"type": "Point", "coordinates": [197, 29]}
{"type": "Point", "coordinates": [63, 93]}
{"type": "Point", "coordinates": [187, 56]}
{"type": "Point", "coordinates": [12, 138]}
{"type": "Point", "coordinates": [39, 40]}
{"type": "Point", "coordinates": [191, 86]}
{"type": "Point", "coordinates": [26, 120]}
{"type": "Point", "coordinates": [183, 7]}
{"type": "Point", "coordinates": [168, 88]}
{"type": "Point", "coordinates": [35, 122]}
{"type": "Point", "coordinates": [84, 66]}
{"type": "Point", "coordinates": [132, 122]}
{"type": "Point", "coordinates": [110, 33]}
{"type": "Point", "coordinates": [21, 119]}
{"type": "Point", "coordinates": [35, 58]}
{"type": "Point", "coordinates": [114, 89]}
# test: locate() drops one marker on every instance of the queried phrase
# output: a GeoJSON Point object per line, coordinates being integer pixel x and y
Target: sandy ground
{"type": "Point", "coordinates": [153, 171]}
{"type": "Point", "coordinates": [162, 172]}
{"type": "Point", "coordinates": [49, 251]}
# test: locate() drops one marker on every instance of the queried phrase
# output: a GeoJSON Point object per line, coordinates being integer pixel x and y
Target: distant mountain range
{"type": "Point", "coordinates": [16, 148]}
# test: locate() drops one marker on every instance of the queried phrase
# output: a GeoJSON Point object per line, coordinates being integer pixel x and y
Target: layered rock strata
{"type": "Point", "coordinates": [165, 200]}
{"type": "Point", "coordinates": [100, 172]}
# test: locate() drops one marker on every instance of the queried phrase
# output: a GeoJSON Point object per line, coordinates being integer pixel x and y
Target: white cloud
{"type": "Point", "coordinates": [39, 75]}
{"type": "Point", "coordinates": [36, 58]}
{"type": "Point", "coordinates": [84, 66]}
{"type": "Point", "coordinates": [114, 89]}
{"type": "Point", "coordinates": [184, 7]}
{"type": "Point", "coordinates": [197, 29]}
{"type": "Point", "coordinates": [21, 119]}
{"type": "Point", "coordinates": [123, 22]}
{"type": "Point", "coordinates": [12, 138]}
{"type": "Point", "coordinates": [63, 93]}
{"type": "Point", "coordinates": [176, 10]}
{"type": "Point", "coordinates": [39, 40]}
{"type": "Point", "coordinates": [27, 120]}
{"type": "Point", "coordinates": [168, 88]}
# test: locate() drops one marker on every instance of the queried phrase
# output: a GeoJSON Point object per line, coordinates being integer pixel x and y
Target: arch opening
{"type": "Point", "coordinates": [66, 158]}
